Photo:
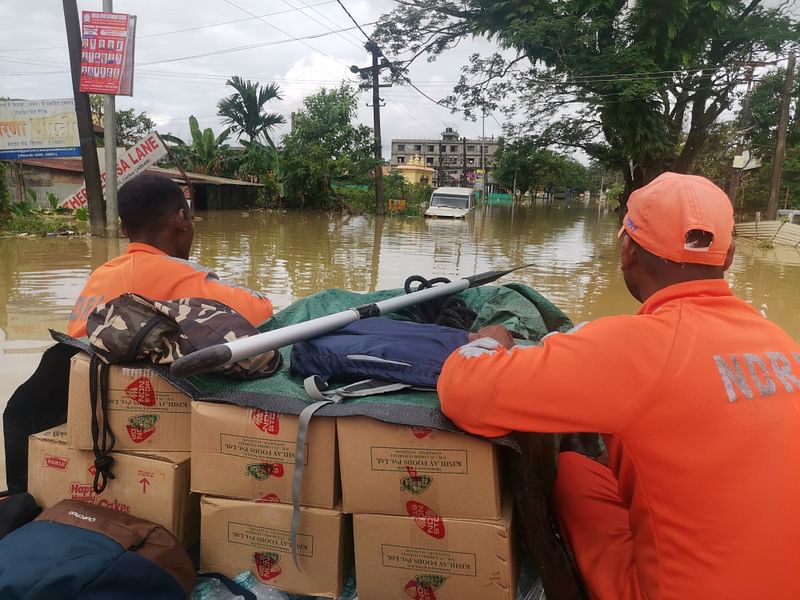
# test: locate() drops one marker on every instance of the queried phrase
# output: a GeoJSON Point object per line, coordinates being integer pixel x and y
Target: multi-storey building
{"type": "Point", "coordinates": [456, 160]}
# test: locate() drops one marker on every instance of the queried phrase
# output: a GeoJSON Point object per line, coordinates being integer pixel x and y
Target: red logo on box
{"type": "Point", "coordinates": [141, 427]}
{"type": "Point", "coordinates": [421, 432]}
{"type": "Point", "coordinates": [56, 462]}
{"type": "Point", "coordinates": [262, 471]}
{"type": "Point", "coordinates": [422, 586]}
{"type": "Point", "coordinates": [426, 519]}
{"type": "Point", "coordinates": [269, 498]}
{"type": "Point", "coordinates": [141, 391]}
{"type": "Point", "coordinates": [266, 421]}
{"type": "Point", "coordinates": [267, 565]}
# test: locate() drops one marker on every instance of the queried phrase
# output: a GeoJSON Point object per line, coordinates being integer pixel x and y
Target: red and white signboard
{"type": "Point", "coordinates": [146, 152]}
{"type": "Point", "coordinates": [107, 46]}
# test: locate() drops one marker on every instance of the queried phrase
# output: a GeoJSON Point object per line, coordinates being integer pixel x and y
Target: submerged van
{"type": "Point", "coordinates": [453, 202]}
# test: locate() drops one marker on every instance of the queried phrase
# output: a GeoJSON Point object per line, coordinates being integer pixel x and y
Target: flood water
{"type": "Point", "coordinates": [573, 252]}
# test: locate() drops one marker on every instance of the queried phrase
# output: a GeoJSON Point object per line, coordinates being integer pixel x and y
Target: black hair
{"type": "Point", "coordinates": [147, 201]}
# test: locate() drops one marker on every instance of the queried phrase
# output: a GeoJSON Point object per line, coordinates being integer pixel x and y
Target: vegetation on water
{"type": "Point", "coordinates": [23, 219]}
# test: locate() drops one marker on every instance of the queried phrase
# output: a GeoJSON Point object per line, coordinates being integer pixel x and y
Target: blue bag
{"type": "Point", "coordinates": [377, 348]}
{"type": "Point", "coordinates": [76, 550]}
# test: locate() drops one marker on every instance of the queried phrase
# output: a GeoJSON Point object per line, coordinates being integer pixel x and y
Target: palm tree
{"type": "Point", "coordinates": [206, 155]}
{"type": "Point", "coordinates": [244, 111]}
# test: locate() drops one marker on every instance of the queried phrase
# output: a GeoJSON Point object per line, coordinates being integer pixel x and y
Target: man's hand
{"type": "Point", "coordinates": [497, 332]}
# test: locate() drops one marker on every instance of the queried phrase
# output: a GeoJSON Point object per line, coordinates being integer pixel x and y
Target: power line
{"type": "Point", "coordinates": [348, 38]}
{"type": "Point", "coordinates": [286, 33]}
{"type": "Point", "coordinates": [174, 31]}
{"type": "Point", "coordinates": [344, 8]}
{"type": "Point", "coordinates": [252, 46]}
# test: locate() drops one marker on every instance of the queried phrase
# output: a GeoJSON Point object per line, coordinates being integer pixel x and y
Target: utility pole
{"type": "Point", "coordinates": [780, 146]}
{"type": "Point", "coordinates": [110, 141]}
{"type": "Point", "coordinates": [441, 165]}
{"type": "Point", "coordinates": [83, 112]}
{"type": "Point", "coordinates": [376, 119]}
{"type": "Point", "coordinates": [484, 193]}
{"type": "Point", "coordinates": [464, 159]}
{"type": "Point", "coordinates": [373, 73]}
{"type": "Point", "coordinates": [744, 121]}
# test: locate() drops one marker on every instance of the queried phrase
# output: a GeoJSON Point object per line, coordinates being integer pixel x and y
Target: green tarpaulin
{"type": "Point", "coordinates": [517, 307]}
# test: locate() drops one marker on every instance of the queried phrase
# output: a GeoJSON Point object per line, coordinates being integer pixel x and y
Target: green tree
{"type": "Point", "coordinates": [207, 154]}
{"type": "Point", "coordinates": [765, 103]}
{"type": "Point", "coordinates": [130, 127]}
{"type": "Point", "coordinates": [644, 80]}
{"type": "Point", "coordinates": [532, 167]}
{"type": "Point", "coordinates": [324, 147]}
{"type": "Point", "coordinates": [244, 112]}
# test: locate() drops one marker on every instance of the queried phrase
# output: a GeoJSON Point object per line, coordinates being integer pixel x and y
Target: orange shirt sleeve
{"type": "Point", "coordinates": [253, 306]}
{"type": "Point", "coordinates": [593, 379]}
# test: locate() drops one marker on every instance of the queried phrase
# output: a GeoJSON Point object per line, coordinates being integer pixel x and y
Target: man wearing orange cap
{"type": "Point", "coordinates": [697, 398]}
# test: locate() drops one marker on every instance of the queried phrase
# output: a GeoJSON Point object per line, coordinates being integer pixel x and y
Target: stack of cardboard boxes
{"type": "Point", "coordinates": [151, 420]}
{"type": "Point", "coordinates": [429, 519]}
{"type": "Point", "coordinates": [243, 462]}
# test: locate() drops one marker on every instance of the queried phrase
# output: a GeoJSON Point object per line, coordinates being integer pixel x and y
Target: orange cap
{"type": "Point", "coordinates": [662, 213]}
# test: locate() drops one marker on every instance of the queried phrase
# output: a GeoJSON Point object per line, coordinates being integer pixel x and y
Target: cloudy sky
{"type": "Point", "coordinates": [186, 49]}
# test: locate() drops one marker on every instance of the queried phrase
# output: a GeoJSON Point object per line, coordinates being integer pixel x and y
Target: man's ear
{"type": "Point", "coordinates": [729, 256]}
{"type": "Point", "coordinates": [181, 220]}
{"type": "Point", "coordinates": [628, 254]}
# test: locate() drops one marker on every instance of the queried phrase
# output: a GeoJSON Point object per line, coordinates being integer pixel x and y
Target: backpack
{"type": "Point", "coordinates": [132, 327]}
{"type": "Point", "coordinates": [75, 550]}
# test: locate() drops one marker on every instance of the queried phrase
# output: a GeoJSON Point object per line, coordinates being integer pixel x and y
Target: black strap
{"type": "Point", "coordinates": [448, 311]}
{"type": "Point", "coordinates": [102, 445]}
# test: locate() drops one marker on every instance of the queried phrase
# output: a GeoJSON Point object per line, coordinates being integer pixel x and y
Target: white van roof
{"type": "Point", "coordinates": [459, 191]}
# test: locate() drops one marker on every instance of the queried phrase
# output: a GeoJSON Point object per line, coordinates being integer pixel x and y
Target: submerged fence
{"type": "Point", "coordinates": [783, 233]}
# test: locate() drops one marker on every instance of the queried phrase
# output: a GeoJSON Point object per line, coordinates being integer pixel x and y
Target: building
{"type": "Point", "coordinates": [415, 172]}
{"type": "Point", "coordinates": [61, 177]}
{"type": "Point", "coordinates": [454, 159]}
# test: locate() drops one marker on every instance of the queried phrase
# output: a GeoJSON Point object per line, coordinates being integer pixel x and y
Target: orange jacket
{"type": "Point", "coordinates": [698, 398]}
{"type": "Point", "coordinates": [148, 271]}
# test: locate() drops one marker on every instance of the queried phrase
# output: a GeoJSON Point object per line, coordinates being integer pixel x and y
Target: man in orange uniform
{"type": "Point", "coordinates": [698, 400]}
{"type": "Point", "coordinates": [158, 221]}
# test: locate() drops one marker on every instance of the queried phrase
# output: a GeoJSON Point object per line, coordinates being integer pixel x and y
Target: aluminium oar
{"type": "Point", "coordinates": [207, 359]}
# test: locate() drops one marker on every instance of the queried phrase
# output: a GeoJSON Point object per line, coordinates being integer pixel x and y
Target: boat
{"type": "Point", "coordinates": [452, 202]}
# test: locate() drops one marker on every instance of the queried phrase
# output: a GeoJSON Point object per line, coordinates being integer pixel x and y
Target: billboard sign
{"type": "Point", "coordinates": [38, 129]}
{"type": "Point", "coordinates": [145, 153]}
{"type": "Point", "coordinates": [107, 44]}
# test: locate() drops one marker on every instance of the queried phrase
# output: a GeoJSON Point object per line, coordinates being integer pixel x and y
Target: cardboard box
{"type": "Point", "coordinates": [426, 557]}
{"type": "Point", "coordinates": [249, 453]}
{"type": "Point", "coordinates": [150, 486]}
{"type": "Point", "coordinates": [238, 535]}
{"type": "Point", "coordinates": [144, 411]}
{"type": "Point", "coordinates": [385, 466]}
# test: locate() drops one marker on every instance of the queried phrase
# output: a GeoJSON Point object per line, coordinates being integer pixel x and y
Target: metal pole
{"type": "Point", "coordinates": [780, 146]}
{"type": "Point", "coordinates": [464, 158]}
{"type": "Point", "coordinates": [83, 112]}
{"type": "Point", "coordinates": [110, 140]}
{"type": "Point", "coordinates": [376, 119]}
{"type": "Point", "coordinates": [736, 177]}
{"type": "Point", "coordinates": [485, 193]}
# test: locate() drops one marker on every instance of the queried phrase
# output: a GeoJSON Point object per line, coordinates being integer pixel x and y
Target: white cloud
{"type": "Point", "coordinates": [33, 59]}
